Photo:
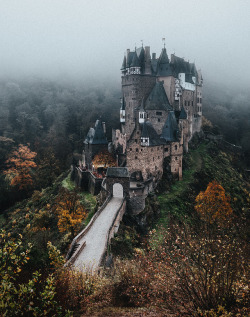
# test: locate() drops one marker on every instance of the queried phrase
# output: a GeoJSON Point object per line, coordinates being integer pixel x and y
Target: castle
{"type": "Point", "coordinates": [161, 109]}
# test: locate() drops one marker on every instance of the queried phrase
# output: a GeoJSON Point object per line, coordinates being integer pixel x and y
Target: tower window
{"type": "Point", "coordinates": [175, 147]}
{"type": "Point", "coordinates": [158, 113]}
{"type": "Point", "coordinates": [136, 150]}
{"type": "Point", "coordinates": [166, 149]}
{"type": "Point", "coordinates": [135, 157]}
{"type": "Point", "coordinates": [159, 120]}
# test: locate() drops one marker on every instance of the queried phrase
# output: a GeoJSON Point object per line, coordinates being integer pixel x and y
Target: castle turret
{"type": "Point", "coordinates": [122, 110]}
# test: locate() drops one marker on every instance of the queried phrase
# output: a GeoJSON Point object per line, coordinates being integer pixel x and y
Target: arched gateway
{"type": "Point", "coordinates": [117, 181]}
{"type": "Point", "coordinates": [118, 190]}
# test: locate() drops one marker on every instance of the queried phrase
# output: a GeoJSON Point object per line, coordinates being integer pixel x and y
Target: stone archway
{"type": "Point", "coordinates": [118, 190]}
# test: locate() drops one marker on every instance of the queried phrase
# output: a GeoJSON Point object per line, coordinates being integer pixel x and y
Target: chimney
{"type": "Point", "coordinates": [153, 55]}
{"type": "Point", "coordinates": [104, 127]}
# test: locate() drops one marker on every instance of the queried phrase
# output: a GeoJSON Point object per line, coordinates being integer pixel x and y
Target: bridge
{"type": "Point", "coordinates": [88, 248]}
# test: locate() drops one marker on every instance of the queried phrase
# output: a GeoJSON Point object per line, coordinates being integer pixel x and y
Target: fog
{"type": "Point", "coordinates": [79, 38]}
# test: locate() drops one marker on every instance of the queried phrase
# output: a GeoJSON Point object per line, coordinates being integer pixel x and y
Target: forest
{"type": "Point", "coordinates": [197, 266]}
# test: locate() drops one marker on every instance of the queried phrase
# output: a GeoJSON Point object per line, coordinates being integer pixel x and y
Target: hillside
{"type": "Point", "coordinates": [141, 283]}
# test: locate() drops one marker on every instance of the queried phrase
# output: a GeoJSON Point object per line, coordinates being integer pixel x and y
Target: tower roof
{"type": "Point", "coordinates": [96, 135]}
{"type": "Point", "coordinates": [164, 67]}
{"type": "Point", "coordinates": [183, 114]}
{"type": "Point", "coordinates": [170, 128]}
{"type": "Point", "coordinates": [157, 99]}
{"type": "Point", "coordinates": [124, 63]}
{"type": "Point", "coordinates": [135, 61]}
{"type": "Point", "coordinates": [149, 132]}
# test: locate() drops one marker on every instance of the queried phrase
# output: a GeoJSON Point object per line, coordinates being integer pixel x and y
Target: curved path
{"type": "Point", "coordinates": [96, 238]}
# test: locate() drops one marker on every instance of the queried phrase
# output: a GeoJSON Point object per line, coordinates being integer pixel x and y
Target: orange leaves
{"type": "Point", "coordinates": [213, 205]}
{"type": "Point", "coordinates": [104, 159]}
{"type": "Point", "coordinates": [70, 212]}
{"type": "Point", "coordinates": [20, 165]}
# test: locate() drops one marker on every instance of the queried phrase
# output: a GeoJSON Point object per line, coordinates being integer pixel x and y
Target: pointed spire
{"type": "Point", "coordinates": [170, 128]}
{"type": "Point", "coordinates": [135, 61]}
{"type": "Point", "coordinates": [124, 63]}
{"type": "Point", "coordinates": [183, 114]}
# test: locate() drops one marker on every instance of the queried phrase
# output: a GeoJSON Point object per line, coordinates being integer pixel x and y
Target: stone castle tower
{"type": "Point", "coordinates": [161, 109]}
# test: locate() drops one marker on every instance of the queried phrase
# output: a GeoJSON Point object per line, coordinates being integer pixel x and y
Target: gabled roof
{"type": "Point", "coordinates": [149, 132]}
{"type": "Point", "coordinates": [183, 114]}
{"type": "Point", "coordinates": [170, 128]}
{"type": "Point", "coordinates": [96, 135]}
{"type": "Point", "coordinates": [157, 99]}
{"type": "Point", "coordinates": [117, 172]}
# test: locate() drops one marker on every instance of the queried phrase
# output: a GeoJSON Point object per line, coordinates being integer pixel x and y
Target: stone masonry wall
{"type": "Point", "coordinates": [152, 158]}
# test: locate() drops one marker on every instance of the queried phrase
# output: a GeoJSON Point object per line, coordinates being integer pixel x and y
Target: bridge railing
{"type": "Point", "coordinates": [119, 213]}
{"type": "Point", "coordinates": [83, 233]}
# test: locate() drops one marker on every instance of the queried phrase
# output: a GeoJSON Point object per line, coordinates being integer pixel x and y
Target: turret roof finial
{"type": "Point", "coordinates": [163, 40]}
{"type": "Point", "coordinates": [142, 43]}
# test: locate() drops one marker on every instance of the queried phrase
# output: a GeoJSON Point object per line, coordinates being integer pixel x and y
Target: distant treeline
{"type": "Point", "coordinates": [53, 119]}
{"type": "Point", "coordinates": [229, 111]}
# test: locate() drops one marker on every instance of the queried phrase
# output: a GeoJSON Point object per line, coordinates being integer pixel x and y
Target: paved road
{"type": "Point", "coordinates": [95, 238]}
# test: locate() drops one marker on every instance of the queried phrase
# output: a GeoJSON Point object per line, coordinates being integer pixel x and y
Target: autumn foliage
{"type": "Point", "coordinates": [213, 205]}
{"type": "Point", "coordinates": [104, 159]}
{"type": "Point", "coordinates": [20, 165]}
{"type": "Point", "coordinates": [70, 211]}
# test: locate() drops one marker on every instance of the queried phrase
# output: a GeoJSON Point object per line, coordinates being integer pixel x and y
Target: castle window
{"type": "Point", "coordinates": [188, 103]}
{"type": "Point", "coordinates": [175, 147]}
{"type": "Point", "coordinates": [153, 159]}
{"type": "Point", "coordinates": [141, 150]}
{"type": "Point", "coordinates": [159, 120]}
{"type": "Point", "coordinates": [166, 149]}
{"type": "Point", "coordinates": [138, 132]}
{"type": "Point", "coordinates": [147, 115]}
{"type": "Point", "coordinates": [185, 102]}
{"type": "Point", "coordinates": [135, 140]}
{"type": "Point", "coordinates": [176, 158]}
{"type": "Point", "coordinates": [135, 157]}
{"type": "Point", "coordinates": [192, 103]}
{"type": "Point", "coordinates": [137, 150]}
{"type": "Point", "coordinates": [130, 149]}
{"type": "Point", "coordinates": [158, 157]}
{"type": "Point", "coordinates": [158, 113]}
{"type": "Point", "coordinates": [200, 100]}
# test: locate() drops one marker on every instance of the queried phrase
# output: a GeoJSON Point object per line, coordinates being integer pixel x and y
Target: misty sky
{"type": "Point", "coordinates": [79, 37]}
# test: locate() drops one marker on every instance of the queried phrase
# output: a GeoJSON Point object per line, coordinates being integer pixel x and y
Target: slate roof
{"type": "Point", "coordinates": [96, 135]}
{"type": "Point", "coordinates": [149, 132]}
{"type": "Point", "coordinates": [170, 128]}
{"type": "Point", "coordinates": [117, 172]}
{"type": "Point", "coordinates": [164, 68]}
{"type": "Point", "coordinates": [135, 61]}
{"type": "Point", "coordinates": [183, 114]}
{"type": "Point", "coordinates": [157, 99]}
{"type": "Point", "coordinates": [124, 63]}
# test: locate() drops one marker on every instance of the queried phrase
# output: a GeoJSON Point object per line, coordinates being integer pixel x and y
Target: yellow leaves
{"type": "Point", "coordinates": [20, 164]}
{"type": "Point", "coordinates": [70, 212]}
{"type": "Point", "coordinates": [213, 205]}
{"type": "Point", "coordinates": [104, 159]}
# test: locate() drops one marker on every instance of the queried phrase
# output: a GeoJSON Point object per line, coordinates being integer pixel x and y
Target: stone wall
{"type": "Point", "coordinates": [152, 158]}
